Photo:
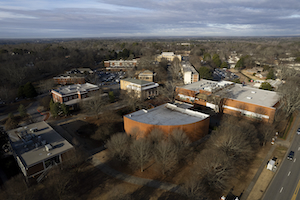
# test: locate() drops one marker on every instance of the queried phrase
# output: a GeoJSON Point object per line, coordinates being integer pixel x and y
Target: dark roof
{"type": "Point", "coordinates": [137, 81]}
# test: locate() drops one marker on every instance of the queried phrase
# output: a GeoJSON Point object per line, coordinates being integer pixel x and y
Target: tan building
{"type": "Point", "coordinates": [146, 75]}
{"type": "Point", "coordinates": [120, 65]}
{"type": "Point", "coordinates": [231, 98]}
{"type": "Point", "coordinates": [37, 147]}
{"type": "Point", "coordinates": [168, 117]}
{"type": "Point", "coordinates": [168, 55]}
{"type": "Point", "coordinates": [190, 75]}
{"type": "Point", "coordinates": [144, 89]}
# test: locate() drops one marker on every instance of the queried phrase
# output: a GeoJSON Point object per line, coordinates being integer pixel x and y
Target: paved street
{"type": "Point", "coordinates": [287, 178]}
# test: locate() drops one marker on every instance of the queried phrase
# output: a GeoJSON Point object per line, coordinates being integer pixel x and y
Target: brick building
{"type": "Point", "coordinates": [72, 93]}
{"type": "Point", "coordinates": [144, 89]}
{"type": "Point", "coordinates": [37, 147]}
{"type": "Point", "coordinates": [120, 65]}
{"type": "Point", "coordinates": [231, 98]}
{"type": "Point", "coordinates": [65, 79]}
{"type": "Point", "coordinates": [168, 117]}
{"type": "Point", "coordinates": [170, 56]}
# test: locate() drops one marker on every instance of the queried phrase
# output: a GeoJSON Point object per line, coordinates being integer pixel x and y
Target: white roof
{"type": "Point", "coordinates": [168, 114]}
{"type": "Point", "coordinates": [252, 95]}
{"type": "Point", "coordinates": [167, 53]}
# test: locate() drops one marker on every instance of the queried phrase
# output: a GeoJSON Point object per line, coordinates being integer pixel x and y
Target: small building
{"type": "Point", "coordinates": [144, 89]}
{"type": "Point", "coordinates": [231, 98]}
{"type": "Point", "coordinates": [71, 94]}
{"type": "Point", "coordinates": [146, 75]}
{"type": "Point", "coordinates": [120, 65]}
{"type": "Point", "coordinates": [37, 147]}
{"type": "Point", "coordinates": [168, 117]}
{"type": "Point", "coordinates": [170, 56]}
{"type": "Point", "coordinates": [66, 79]}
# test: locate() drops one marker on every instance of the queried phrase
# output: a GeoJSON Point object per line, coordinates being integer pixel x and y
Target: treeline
{"type": "Point", "coordinates": [161, 150]}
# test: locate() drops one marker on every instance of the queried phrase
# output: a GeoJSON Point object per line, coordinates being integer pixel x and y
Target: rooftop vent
{"type": "Point", "coordinates": [253, 92]}
{"type": "Point", "coordinates": [48, 147]}
{"type": "Point", "coordinates": [145, 111]}
{"type": "Point", "coordinates": [249, 97]}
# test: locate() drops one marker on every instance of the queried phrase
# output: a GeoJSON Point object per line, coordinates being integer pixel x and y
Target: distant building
{"type": "Point", "coordinates": [235, 99]}
{"type": "Point", "coordinates": [168, 55]}
{"type": "Point", "coordinates": [146, 75]}
{"type": "Point", "coordinates": [71, 94]}
{"type": "Point", "coordinates": [144, 89]}
{"type": "Point", "coordinates": [37, 147]}
{"type": "Point", "coordinates": [66, 79]}
{"type": "Point", "coordinates": [120, 65]}
{"type": "Point", "coordinates": [168, 117]}
{"type": "Point", "coordinates": [190, 75]}
{"type": "Point", "coordinates": [233, 59]}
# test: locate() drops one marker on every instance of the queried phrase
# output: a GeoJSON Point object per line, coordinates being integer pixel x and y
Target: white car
{"type": "Point", "coordinates": [298, 131]}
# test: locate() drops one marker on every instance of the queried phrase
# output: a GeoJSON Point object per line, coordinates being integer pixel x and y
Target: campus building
{"type": "Point", "coordinates": [231, 98]}
{"type": "Point", "coordinates": [190, 75]}
{"type": "Point", "coordinates": [146, 75]}
{"type": "Point", "coordinates": [37, 148]}
{"type": "Point", "coordinates": [66, 79]}
{"type": "Point", "coordinates": [120, 65]}
{"type": "Point", "coordinates": [144, 89]}
{"type": "Point", "coordinates": [168, 117]}
{"type": "Point", "coordinates": [71, 94]}
{"type": "Point", "coordinates": [170, 56]}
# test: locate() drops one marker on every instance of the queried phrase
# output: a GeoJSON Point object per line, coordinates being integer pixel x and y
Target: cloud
{"type": "Point", "coordinates": [96, 18]}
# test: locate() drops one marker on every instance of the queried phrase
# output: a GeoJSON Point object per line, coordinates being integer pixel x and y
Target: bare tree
{"type": "Point", "coordinates": [140, 152]}
{"type": "Point", "coordinates": [166, 156]}
{"type": "Point", "coordinates": [95, 103]}
{"type": "Point", "coordinates": [118, 145]}
{"type": "Point", "coordinates": [175, 69]}
{"type": "Point", "coordinates": [169, 91]}
{"type": "Point", "coordinates": [266, 131]}
{"type": "Point", "coordinates": [193, 188]}
{"type": "Point", "coordinates": [216, 170]}
{"type": "Point", "coordinates": [181, 142]}
{"type": "Point", "coordinates": [132, 100]}
{"type": "Point", "coordinates": [290, 95]}
{"type": "Point", "coordinates": [156, 135]}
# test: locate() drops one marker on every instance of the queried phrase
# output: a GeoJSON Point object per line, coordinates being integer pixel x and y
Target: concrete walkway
{"type": "Point", "coordinates": [133, 179]}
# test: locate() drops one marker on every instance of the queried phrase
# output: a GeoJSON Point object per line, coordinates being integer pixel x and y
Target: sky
{"type": "Point", "coordinates": [148, 18]}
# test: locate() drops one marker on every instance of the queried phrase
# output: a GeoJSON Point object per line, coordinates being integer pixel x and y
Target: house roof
{"type": "Point", "coordinates": [30, 147]}
{"type": "Point", "coordinates": [168, 114]}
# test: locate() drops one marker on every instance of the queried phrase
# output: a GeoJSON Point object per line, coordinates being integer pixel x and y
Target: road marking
{"type": "Point", "coordinates": [298, 148]}
{"type": "Point", "coordinates": [281, 189]}
{"type": "Point", "coordinates": [295, 160]}
{"type": "Point", "coordinates": [296, 191]}
{"type": "Point", "coordinates": [289, 173]}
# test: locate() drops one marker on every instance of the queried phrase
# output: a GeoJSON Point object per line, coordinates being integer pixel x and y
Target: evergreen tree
{"type": "Point", "coordinates": [266, 86]}
{"type": "Point", "coordinates": [65, 109]}
{"type": "Point", "coordinates": [29, 90]}
{"type": "Point", "coordinates": [22, 110]}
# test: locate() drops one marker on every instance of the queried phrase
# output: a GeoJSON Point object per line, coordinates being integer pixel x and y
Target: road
{"type": "Point", "coordinates": [286, 182]}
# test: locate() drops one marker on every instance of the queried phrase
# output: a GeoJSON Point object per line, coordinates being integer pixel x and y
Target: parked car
{"type": "Point", "coordinates": [291, 155]}
{"type": "Point", "coordinates": [298, 131]}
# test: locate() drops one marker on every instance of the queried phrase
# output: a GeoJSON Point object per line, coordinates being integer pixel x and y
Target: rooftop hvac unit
{"type": "Point", "coordinates": [48, 147]}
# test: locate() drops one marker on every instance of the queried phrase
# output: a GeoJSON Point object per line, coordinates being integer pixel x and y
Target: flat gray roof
{"type": "Point", "coordinates": [168, 114]}
{"type": "Point", "coordinates": [137, 81]}
{"type": "Point", "coordinates": [207, 85]}
{"type": "Point", "coordinates": [30, 147]}
{"type": "Point", "coordinates": [251, 95]}
{"type": "Point", "coordinates": [70, 89]}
